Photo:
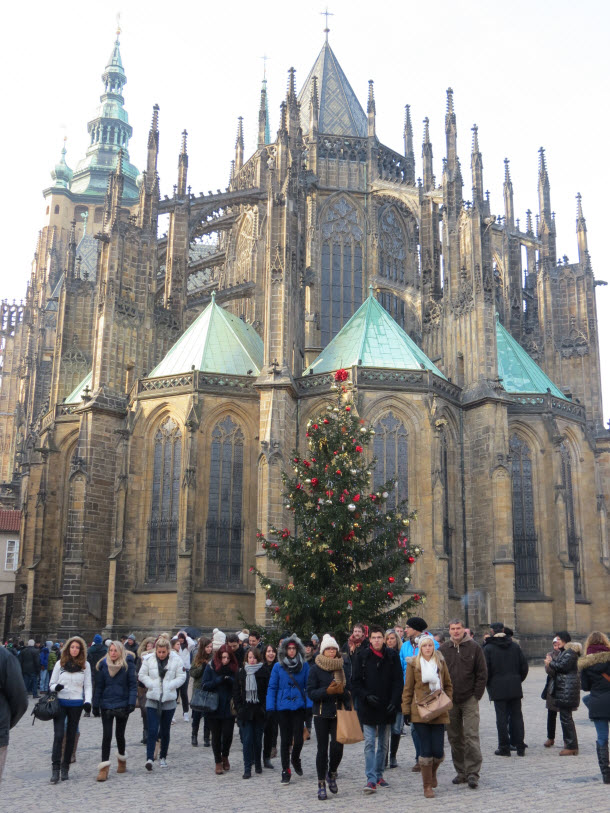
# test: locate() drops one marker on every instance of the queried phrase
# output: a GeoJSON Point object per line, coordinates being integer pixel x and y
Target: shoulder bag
{"type": "Point", "coordinates": [433, 705]}
{"type": "Point", "coordinates": [349, 730]}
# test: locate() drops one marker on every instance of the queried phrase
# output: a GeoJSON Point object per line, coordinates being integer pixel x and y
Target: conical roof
{"type": "Point", "coordinates": [372, 338]}
{"type": "Point", "coordinates": [340, 111]}
{"type": "Point", "coordinates": [216, 342]}
{"type": "Point", "coordinates": [518, 370]}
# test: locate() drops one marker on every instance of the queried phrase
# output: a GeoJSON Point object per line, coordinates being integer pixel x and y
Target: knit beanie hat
{"type": "Point", "coordinates": [97, 639]}
{"type": "Point", "coordinates": [218, 639]}
{"type": "Point", "coordinates": [107, 642]}
{"type": "Point", "coordinates": [48, 644]}
{"type": "Point", "coordinates": [327, 643]}
{"type": "Point", "coordinates": [31, 642]}
{"type": "Point", "coordinates": [417, 623]}
{"type": "Point", "coordinates": [242, 636]}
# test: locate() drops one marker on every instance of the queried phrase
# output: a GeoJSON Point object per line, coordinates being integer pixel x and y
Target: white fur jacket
{"type": "Point", "coordinates": [165, 690]}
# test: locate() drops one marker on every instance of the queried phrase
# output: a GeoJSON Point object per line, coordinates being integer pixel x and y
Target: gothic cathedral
{"type": "Point", "coordinates": [153, 386]}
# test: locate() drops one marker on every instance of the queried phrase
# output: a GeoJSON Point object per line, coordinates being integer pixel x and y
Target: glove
{"type": "Point", "coordinates": [131, 708]}
{"type": "Point", "coordinates": [87, 707]}
{"type": "Point", "coordinates": [335, 688]}
{"type": "Point", "coordinates": [373, 700]}
{"type": "Point", "coordinates": [96, 711]}
{"type": "Point", "coordinates": [228, 678]}
{"type": "Point", "coordinates": [407, 719]}
{"type": "Point", "coordinates": [391, 708]}
{"type": "Point", "coordinates": [58, 687]}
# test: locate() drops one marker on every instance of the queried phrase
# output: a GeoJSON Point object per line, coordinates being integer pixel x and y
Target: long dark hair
{"type": "Point", "coordinates": [233, 665]}
{"type": "Point", "coordinates": [81, 658]}
{"type": "Point", "coordinates": [201, 657]}
{"type": "Point", "coordinates": [265, 648]}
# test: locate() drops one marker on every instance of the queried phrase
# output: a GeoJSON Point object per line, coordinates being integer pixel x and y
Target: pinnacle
{"type": "Point", "coordinates": [475, 138]}
{"type": "Point", "coordinates": [506, 170]}
{"type": "Point", "coordinates": [408, 125]}
{"type": "Point", "coordinates": [450, 110]}
{"type": "Point", "coordinates": [155, 118]}
{"type": "Point", "coordinates": [183, 144]}
{"type": "Point", "coordinates": [426, 130]}
{"type": "Point", "coordinates": [370, 107]}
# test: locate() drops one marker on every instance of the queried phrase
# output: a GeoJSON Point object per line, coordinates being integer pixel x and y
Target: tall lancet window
{"type": "Point", "coordinates": [341, 272]}
{"type": "Point", "coordinates": [447, 529]}
{"type": "Point", "coordinates": [163, 523]}
{"type": "Point", "coordinates": [525, 541]}
{"type": "Point", "coordinates": [392, 247]}
{"type": "Point", "coordinates": [390, 447]}
{"type": "Point", "coordinates": [224, 527]}
{"type": "Point", "coordinates": [573, 537]}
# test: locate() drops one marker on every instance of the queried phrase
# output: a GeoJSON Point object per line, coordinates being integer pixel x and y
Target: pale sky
{"type": "Point", "coordinates": [529, 73]}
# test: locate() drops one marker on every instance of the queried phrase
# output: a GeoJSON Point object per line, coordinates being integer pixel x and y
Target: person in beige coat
{"type": "Point", "coordinates": [427, 672]}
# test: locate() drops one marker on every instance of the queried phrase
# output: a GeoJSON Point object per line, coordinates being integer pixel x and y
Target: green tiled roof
{"type": "Point", "coordinates": [75, 395]}
{"type": "Point", "coordinates": [216, 342]}
{"type": "Point", "coordinates": [518, 371]}
{"type": "Point", "coordinates": [372, 338]}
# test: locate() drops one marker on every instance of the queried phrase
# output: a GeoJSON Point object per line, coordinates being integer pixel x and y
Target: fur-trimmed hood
{"type": "Point", "coordinates": [592, 660]}
{"type": "Point", "coordinates": [574, 646]}
{"type": "Point", "coordinates": [294, 639]}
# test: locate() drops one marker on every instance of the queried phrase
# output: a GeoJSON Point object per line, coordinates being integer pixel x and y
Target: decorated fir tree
{"type": "Point", "coordinates": [348, 557]}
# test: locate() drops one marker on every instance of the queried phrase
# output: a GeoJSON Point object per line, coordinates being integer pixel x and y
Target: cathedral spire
{"type": "Point", "coordinates": [153, 142]}
{"type": "Point", "coordinates": [292, 105]}
{"type": "Point", "coordinates": [264, 135]}
{"type": "Point", "coordinates": [370, 110]}
{"type": "Point", "coordinates": [476, 163]}
{"type": "Point", "coordinates": [451, 133]}
{"type": "Point", "coordinates": [581, 232]}
{"type": "Point", "coordinates": [408, 139]}
{"type": "Point", "coordinates": [314, 106]}
{"type": "Point", "coordinates": [183, 164]}
{"type": "Point", "coordinates": [509, 210]}
{"type": "Point", "coordinates": [71, 256]}
{"type": "Point", "coordinates": [546, 230]}
{"type": "Point", "coordinates": [544, 187]}
{"type": "Point", "coordinates": [239, 144]}
{"type": "Point", "coordinates": [61, 173]}
{"type": "Point", "coordinates": [427, 158]}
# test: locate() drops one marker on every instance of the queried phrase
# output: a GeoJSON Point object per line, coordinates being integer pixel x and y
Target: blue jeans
{"type": "Point", "coordinates": [601, 729]}
{"type": "Point", "coordinates": [398, 724]}
{"type": "Point", "coordinates": [252, 742]}
{"type": "Point", "coordinates": [31, 683]}
{"type": "Point", "coordinates": [374, 762]}
{"type": "Point", "coordinates": [44, 680]}
{"type": "Point", "coordinates": [431, 739]}
{"type": "Point", "coordinates": [158, 723]}
{"type": "Point", "coordinates": [415, 738]}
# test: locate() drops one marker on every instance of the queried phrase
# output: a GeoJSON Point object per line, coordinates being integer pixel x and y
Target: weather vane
{"type": "Point", "coordinates": [118, 24]}
{"type": "Point", "coordinates": [327, 14]}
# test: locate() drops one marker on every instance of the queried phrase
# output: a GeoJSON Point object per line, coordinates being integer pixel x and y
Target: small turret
{"type": "Point", "coordinates": [408, 139]}
{"type": "Point", "coordinates": [71, 254]}
{"type": "Point", "coordinates": [183, 165]}
{"type": "Point", "coordinates": [451, 133]}
{"type": "Point", "coordinates": [370, 110]}
{"type": "Point", "coordinates": [581, 232]}
{"type": "Point", "coordinates": [153, 142]}
{"type": "Point", "coordinates": [264, 136]}
{"type": "Point", "coordinates": [239, 144]}
{"type": "Point", "coordinates": [427, 158]}
{"type": "Point", "coordinates": [509, 210]}
{"type": "Point", "coordinates": [314, 107]}
{"type": "Point", "coordinates": [476, 163]}
{"type": "Point", "coordinates": [61, 173]}
{"type": "Point", "coordinates": [546, 227]}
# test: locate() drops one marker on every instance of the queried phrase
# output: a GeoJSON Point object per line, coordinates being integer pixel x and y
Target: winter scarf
{"type": "Point", "coordinates": [334, 665]}
{"type": "Point", "coordinates": [595, 648]}
{"type": "Point", "coordinates": [353, 642]}
{"type": "Point", "coordinates": [429, 673]}
{"type": "Point", "coordinates": [293, 664]}
{"type": "Point", "coordinates": [72, 667]}
{"type": "Point", "coordinates": [162, 666]}
{"type": "Point", "coordinates": [113, 668]}
{"type": "Point", "coordinates": [251, 687]}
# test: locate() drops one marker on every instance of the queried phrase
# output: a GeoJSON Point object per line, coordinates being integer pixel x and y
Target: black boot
{"type": "Point", "coordinates": [268, 764]}
{"type": "Point", "coordinates": [602, 758]}
{"type": "Point", "coordinates": [54, 774]}
{"type": "Point", "coordinates": [144, 739]}
{"type": "Point", "coordinates": [394, 743]}
{"type": "Point", "coordinates": [65, 773]}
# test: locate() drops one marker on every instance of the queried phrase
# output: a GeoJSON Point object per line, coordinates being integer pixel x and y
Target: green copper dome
{"type": "Point", "coordinates": [61, 173]}
{"type": "Point", "coordinates": [518, 371]}
{"type": "Point", "coordinates": [372, 338]}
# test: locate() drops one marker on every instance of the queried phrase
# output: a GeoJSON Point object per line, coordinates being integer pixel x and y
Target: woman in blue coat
{"type": "Point", "coordinates": [114, 698]}
{"type": "Point", "coordinates": [287, 695]}
{"type": "Point", "coordinates": [219, 676]}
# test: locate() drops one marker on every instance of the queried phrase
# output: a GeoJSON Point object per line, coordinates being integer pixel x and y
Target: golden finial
{"type": "Point", "coordinates": [118, 25]}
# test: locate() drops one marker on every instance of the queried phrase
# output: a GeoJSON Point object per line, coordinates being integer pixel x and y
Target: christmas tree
{"type": "Point", "coordinates": [349, 557]}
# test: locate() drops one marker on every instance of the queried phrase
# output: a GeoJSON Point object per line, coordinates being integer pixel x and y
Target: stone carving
{"type": "Point", "coordinates": [341, 222]}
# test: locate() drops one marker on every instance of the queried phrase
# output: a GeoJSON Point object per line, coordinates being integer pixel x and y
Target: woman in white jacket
{"type": "Point", "coordinates": [71, 679]}
{"type": "Point", "coordinates": [162, 673]}
{"type": "Point", "coordinates": [186, 647]}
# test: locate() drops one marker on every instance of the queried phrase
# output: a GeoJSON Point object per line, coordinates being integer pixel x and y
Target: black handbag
{"type": "Point", "coordinates": [47, 708]}
{"type": "Point", "coordinates": [204, 701]}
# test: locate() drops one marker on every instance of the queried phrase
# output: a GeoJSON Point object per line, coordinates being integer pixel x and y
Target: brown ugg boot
{"type": "Point", "coordinates": [103, 769]}
{"type": "Point", "coordinates": [226, 766]}
{"type": "Point", "coordinates": [121, 763]}
{"type": "Point", "coordinates": [218, 769]}
{"type": "Point", "coordinates": [427, 777]}
{"type": "Point", "coordinates": [435, 763]}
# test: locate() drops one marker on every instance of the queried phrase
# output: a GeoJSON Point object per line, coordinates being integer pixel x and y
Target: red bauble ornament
{"type": "Point", "coordinates": [296, 459]}
{"type": "Point", "coordinates": [315, 426]}
{"type": "Point", "coordinates": [416, 597]}
{"type": "Point", "coordinates": [314, 481]}
{"type": "Point", "coordinates": [411, 559]}
{"type": "Point", "coordinates": [325, 420]}
{"type": "Point", "coordinates": [348, 409]}
{"type": "Point", "coordinates": [338, 612]}
{"type": "Point", "coordinates": [390, 594]}
{"type": "Point", "coordinates": [359, 588]}
{"type": "Point", "coordinates": [391, 579]}
{"type": "Point", "coordinates": [356, 497]}
{"type": "Point", "coordinates": [359, 448]}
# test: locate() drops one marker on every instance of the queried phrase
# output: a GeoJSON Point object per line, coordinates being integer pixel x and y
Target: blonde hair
{"type": "Point", "coordinates": [121, 660]}
{"type": "Point", "coordinates": [144, 644]}
{"type": "Point", "coordinates": [163, 641]}
{"type": "Point", "coordinates": [596, 637]}
{"type": "Point", "coordinates": [434, 657]}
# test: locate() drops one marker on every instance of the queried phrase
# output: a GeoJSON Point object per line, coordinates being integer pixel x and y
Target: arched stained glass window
{"type": "Point", "coordinates": [163, 523]}
{"type": "Point", "coordinates": [224, 527]}
{"type": "Point", "coordinates": [390, 447]}
{"type": "Point", "coordinates": [341, 271]}
{"type": "Point", "coordinates": [572, 534]}
{"type": "Point", "coordinates": [525, 540]}
{"type": "Point", "coordinates": [392, 246]}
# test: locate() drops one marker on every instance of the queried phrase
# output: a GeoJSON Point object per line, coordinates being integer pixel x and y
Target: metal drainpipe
{"type": "Point", "coordinates": [463, 496]}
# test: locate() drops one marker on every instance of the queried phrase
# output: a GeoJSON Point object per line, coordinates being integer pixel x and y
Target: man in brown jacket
{"type": "Point", "coordinates": [468, 670]}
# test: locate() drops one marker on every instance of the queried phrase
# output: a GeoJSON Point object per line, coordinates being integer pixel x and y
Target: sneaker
{"type": "Point", "coordinates": [148, 764]}
{"type": "Point", "coordinates": [246, 775]}
{"type": "Point", "coordinates": [381, 783]}
{"type": "Point", "coordinates": [370, 787]}
{"type": "Point", "coordinates": [331, 778]}
{"type": "Point", "coordinates": [296, 764]}
{"type": "Point", "coordinates": [502, 752]}
{"type": "Point", "coordinates": [459, 780]}
{"type": "Point", "coordinates": [473, 782]}
{"type": "Point", "coordinates": [186, 717]}
{"type": "Point", "coordinates": [322, 792]}
{"type": "Point", "coordinates": [162, 763]}
{"type": "Point", "coordinates": [285, 778]}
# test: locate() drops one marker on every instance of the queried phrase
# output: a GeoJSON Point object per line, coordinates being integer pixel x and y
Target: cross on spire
{"type": "Point", "coordinates": [265, 59]}
{"type": "Point", "coordinates": [327, 14]}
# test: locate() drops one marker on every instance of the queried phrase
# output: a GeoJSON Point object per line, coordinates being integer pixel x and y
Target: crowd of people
{"type": "Point", "coordinates": [404, 676]}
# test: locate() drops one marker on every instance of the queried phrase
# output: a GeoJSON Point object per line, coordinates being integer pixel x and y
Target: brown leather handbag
{"type": "Point", "coordinates": [433, 705]}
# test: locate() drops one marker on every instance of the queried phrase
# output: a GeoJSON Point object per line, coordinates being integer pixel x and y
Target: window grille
{"type": "Point", "coordinates": [525, 540]}
{"type": "Point", "coordinates": [164, 512]}
{"type": "Point", "coordinates": [390, 447]}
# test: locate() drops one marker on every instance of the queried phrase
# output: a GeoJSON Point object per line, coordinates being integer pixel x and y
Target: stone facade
{"type": "Point", "coordinates": [141, 497]}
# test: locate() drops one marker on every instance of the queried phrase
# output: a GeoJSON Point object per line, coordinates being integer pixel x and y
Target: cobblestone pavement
{"type": "Point", "coordinates": [517, 784]}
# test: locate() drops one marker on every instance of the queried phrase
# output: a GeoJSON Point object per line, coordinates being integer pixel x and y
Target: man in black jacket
{"type": "Point", "coordinates": [377, 684]}
{"type": "Point", "coordinates": [506, 671]}
{"type": "Point", "coordinates": [13, 700]}
{"type": "Point", "coordinates": [30, 667]}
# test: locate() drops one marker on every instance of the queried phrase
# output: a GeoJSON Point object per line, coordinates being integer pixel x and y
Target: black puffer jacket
{"type": "Point", "coordinates": [377, 683]}
{"type": "Point", "coordinates": [506, 668]}
{"type": "Point", "coordinates": [565, 680]}
{"type": "Point", "coordinates": [251, 711]}
{"type": "Point", "coordinates": [318, 681]}
{"type": "Point", "coordinates": [592, 669]}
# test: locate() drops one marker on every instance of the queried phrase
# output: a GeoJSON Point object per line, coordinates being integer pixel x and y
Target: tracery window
{"type": "Point", "coordinates": [394, 305]}
{"type": "Point", "coordinates": [573, 538]}
{"type": "Point", "coordinates": [390, 447]}
{"type": "Point", "coordinates": [341, 272]}
{"type": "Point", "coordinates": [163, 523]}
{"type": "Point", "coordinates": [392, 246]}
{"type": "Point", "coordinates": [525, 540]}
{"type": "Point", "coordinates": [447, 529]}
{"type": "Point", "coordinates": [224, 527]}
